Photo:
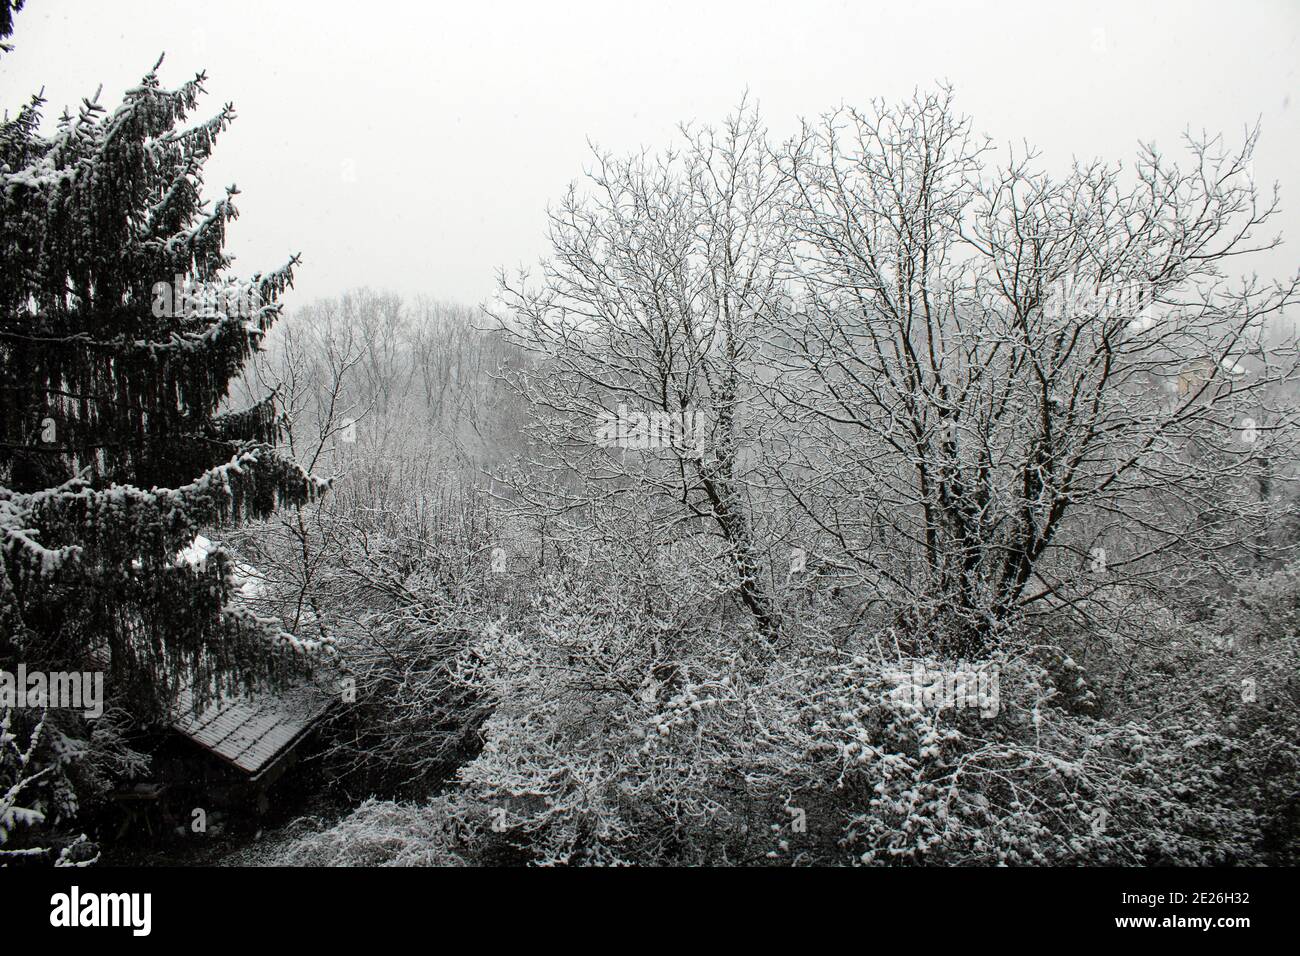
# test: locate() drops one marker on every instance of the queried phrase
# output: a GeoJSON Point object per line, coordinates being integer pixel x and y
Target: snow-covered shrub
{"type": "Point", "coordinates": [1039, 784]}
{"type": "Point", "coordinates": [1265, 607]}
{"type": "Point", "coordinates": [377, 833]}
{"type": "Point", "coordinates": [615, 655]}
{"type": "Point", "coordinates": [55, 766]}
{"type": "Point", "coordinates": [19, 778]}
{"type": "Point", "coordinates": [395, 570]}
{"type": "Point", "coordinates": [410, 722]}
{"type": "Point", "coordinates": [617, 739]}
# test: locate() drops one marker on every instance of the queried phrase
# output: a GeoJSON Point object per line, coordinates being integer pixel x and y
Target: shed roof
{"type": "Point", "coordinates": [251, 731]}
{"type": "Point", "coordinates": [248, 730]}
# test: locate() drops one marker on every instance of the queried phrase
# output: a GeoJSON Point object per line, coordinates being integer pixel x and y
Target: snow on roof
{"type": "Point", "coordinates": [247, 730]}
{"type": "Point", "coordinates": [251, 731]}
{"type": "Point", "coordinates": [247, 578]}
{"type": "Point", "coordinates": [196, 553]}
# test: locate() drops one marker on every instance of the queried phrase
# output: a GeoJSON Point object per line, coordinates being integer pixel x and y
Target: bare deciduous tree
{"type": "Point", "coordinates": [649, 314]}
{"type": "Point", "coordinates": [994, 375]}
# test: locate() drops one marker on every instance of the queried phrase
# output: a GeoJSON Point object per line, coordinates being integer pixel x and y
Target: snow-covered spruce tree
{"type": "Point", "coordinates": [115, 446]}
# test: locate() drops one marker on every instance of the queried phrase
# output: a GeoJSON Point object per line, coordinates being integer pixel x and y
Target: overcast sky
{"type": "Point", "coordinates": [415, 146]}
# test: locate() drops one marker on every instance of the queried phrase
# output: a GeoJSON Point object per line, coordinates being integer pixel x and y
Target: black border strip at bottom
{"type": "Point", "coordinates": [333, 906]}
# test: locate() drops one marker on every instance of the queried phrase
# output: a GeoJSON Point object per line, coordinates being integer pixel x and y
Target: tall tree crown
{"type": "Point", "coordinates": [120, 332]}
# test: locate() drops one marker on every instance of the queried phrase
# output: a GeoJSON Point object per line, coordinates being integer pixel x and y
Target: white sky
{"type": "Point", "coordinates": [458, 124]}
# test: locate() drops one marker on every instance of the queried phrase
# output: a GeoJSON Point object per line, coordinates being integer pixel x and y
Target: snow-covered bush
{"type": "Point", "coordinates": [55, 766]}
{"type": "Point", "coordinates": [19, 778]}
{"type": "Point", "coordinates": [1265, 607]}
{"type": "Point", "coordinates": [396, 570]}
{"type": "Point", "coordinates": [377, 833]}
